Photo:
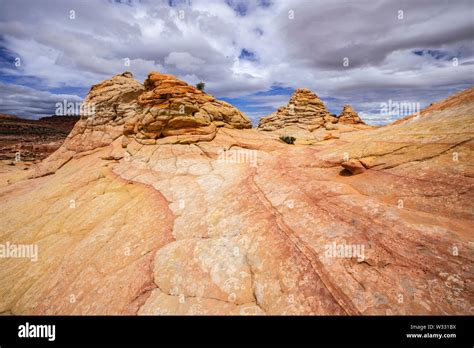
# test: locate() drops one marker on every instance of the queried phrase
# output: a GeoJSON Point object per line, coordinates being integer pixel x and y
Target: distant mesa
{"type": "Point", "coordinates": [7, 117]}
{"type": "Point", "coordinates": [65, 122]}
{"type": "Point", "coordinates": [33, 139]}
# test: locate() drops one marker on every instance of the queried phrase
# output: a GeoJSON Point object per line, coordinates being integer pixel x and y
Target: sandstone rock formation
{"type": "Point", "coordinates": [307, 119]}
{"type": "Point", "coordinates": [349, 116]}
{"type": "Point", "coordinates": [109, 104]}
{"type": "Point", "coordinates": [304, 109]}
{"type": "Point", "coordinates": [172, 108]}
{"type": "Point", "coordinates": [457, 100]}
{"type": "Point", "coordinates": [163, 110]}
{"type": "Point", "coordinates": [243, 223]}
{"type": "Point", "coordinates": [163, 107]}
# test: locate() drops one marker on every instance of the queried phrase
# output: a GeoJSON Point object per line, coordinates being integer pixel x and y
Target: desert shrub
{"type": "Point", "coordinates": [200, 86]}
{"type": "Point", "coordinates": [288, 139]}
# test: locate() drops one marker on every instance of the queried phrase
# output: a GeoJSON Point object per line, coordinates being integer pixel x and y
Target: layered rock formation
{"type": "Point", "coordinates": [307, 120]}
{"type": "Point", "coordinates": [163, 107]}
{"type": "Point", "coordinates": [349, 116]}
{"type": "Point", "coordinates": [172, 108]}
{"type": "Point", "coordinates": [304, 109]}
{"type": "Point", "coordinates": [107, 106]}
{"type": "Point", "coordinates": [378, 221]}
{"type": "Point", "coordinates": [163, 110]}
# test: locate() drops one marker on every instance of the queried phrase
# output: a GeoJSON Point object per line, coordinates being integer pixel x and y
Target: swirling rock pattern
{"type": "Point", "coordinates": [304, 109]}
{"type": "Point", "coordinates": [245, 224]}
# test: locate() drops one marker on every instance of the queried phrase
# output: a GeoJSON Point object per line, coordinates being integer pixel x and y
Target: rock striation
{"type": "Point", "coordinates": [349, 116]}
{"type": "Point", "coordinates": [163, 110]}
{"type": "Point", "coordinates": [172, 108]}
{"type": "Point", "coordinates": [304, 109]}
{"type": "Point", "coordinates": [243, 223]}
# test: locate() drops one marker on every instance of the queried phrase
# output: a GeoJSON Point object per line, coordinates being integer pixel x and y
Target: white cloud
{"type": "Point", "coordinates": [203, 42]}
{"type": "Point", "coordinates": [184, 61]}
{"type": "Point", "coordinates": [29, 103]}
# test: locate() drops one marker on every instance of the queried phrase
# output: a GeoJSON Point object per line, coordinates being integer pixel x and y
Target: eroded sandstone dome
{"type": "Point", "coordinates": [304, 109]}
{"type": "Point", "coordinates": [106, 108]}
{"type": "Point", "coordinates": [349, 116]}
{"type": "Point", "coordinates": [163, 110]}
{"type": "Point", "coordinates": [172, 108]}
{"type": "Point", "coordinates": [163, 107]}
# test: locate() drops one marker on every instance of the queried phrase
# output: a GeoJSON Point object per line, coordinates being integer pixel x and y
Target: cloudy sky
{"type": "Point", "coordinates": [251, 53]}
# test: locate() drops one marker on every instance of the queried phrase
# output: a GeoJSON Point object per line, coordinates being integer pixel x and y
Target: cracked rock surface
{"type": "Point", "coordinates": [241, 224]}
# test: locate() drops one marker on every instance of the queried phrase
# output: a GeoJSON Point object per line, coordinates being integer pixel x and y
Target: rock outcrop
{"type": "Point", "coordinates": [106, 108]}
{"type": "Point", "coordinates": [304, 110]}
{"type": "Point", "coordinates": [349, 116]}
{"type": "Point", "coordinates": [172, 108]}
{"type": "Point", "coordinates": [244, 223]}
{"type": "Point", "coordinates": [163, 107]}
{"type": "Point", "coordinates": [163, 110]}
{"type": "Point", "coordinates": [353, 166]}
{"type": "Point", "coordinates": [458, 100]}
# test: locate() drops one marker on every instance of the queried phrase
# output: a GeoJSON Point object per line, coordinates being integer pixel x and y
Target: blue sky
{"type": "Point", "coordinates": [252, 54]}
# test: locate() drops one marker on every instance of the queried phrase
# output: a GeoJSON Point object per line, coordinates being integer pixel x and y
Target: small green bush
{"type": "Point", "coordinates": [288, 139]}
{"type": "Point", "coordinates": [200, 86]}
